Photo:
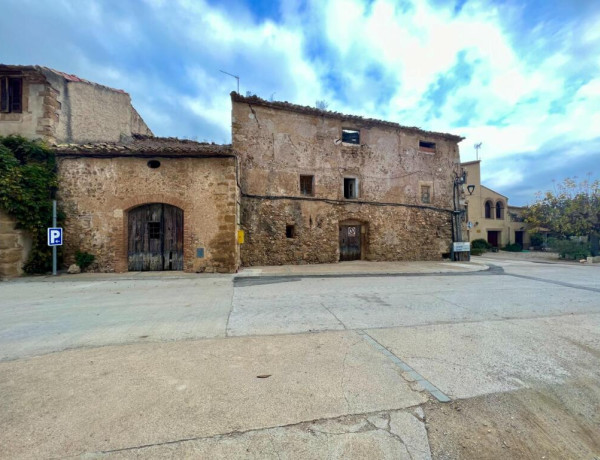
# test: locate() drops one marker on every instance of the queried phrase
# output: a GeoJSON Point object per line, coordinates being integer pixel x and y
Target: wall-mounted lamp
{"type": "Point", "coordinates": [470, 188]}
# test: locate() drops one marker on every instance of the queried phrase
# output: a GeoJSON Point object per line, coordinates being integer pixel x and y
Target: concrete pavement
{"type": "Point", "coordinates": [281, 366]}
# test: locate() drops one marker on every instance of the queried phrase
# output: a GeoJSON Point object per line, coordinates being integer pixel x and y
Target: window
{"type": "Point", "coordinates": [350, 136]}
{"type": "Point", "coordinates": [11, 92]}
{"type": "Point", "coordinates": [153, 164]}
{"type": "Point", "coordinates": [488, 210]}
{"type": "Point", "coordinates": [306, 185]}
{"type": "Point", "coordinates": [350, 188]}
{"type": "Point", "coordinates": [290, 231]}
{"type": "Point", "coordinates": [425, 193]}
{"type": "Point", "coordinates": [154, 230]}
{"type": "Point", "coordinates": [428, 147]}
{"type": "Point", "coordinates": [499, 210]}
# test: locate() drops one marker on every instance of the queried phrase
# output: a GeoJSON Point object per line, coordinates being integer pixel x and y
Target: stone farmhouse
{"type": "Point", "coordinates": [298, 184]}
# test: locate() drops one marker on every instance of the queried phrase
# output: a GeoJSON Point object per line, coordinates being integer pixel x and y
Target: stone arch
{"type": "Point", "coordinates": [121, 233]}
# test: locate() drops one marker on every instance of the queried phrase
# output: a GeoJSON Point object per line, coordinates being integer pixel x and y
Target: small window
{"type": "Point", "coordinates": [11, 94]}
{"type": "Point", "coordinates": [428, 147]}
{"type": "Point", "coordinates": [350, 188]}
{"type": "Point", "coordinates": [306, 185]}
{"type": "Point", "coordinates": [153, 164]}
{"type": "Point", "coordinates": [350, 136]}
{"type": "Point", "coordinates": [290, 231]}
{"type": "Point", "coordinates": [425, 193]}
{"type": "Point", "coordinates": [154, 230]}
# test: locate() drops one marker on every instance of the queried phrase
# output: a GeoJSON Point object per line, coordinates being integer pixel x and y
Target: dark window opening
{"type": "Point", "coordinates": [488, 210]}
{"type": "Point", "coordinates": [11, 94]}
{"type": "Point", "coordinates": [290, 231]}
{"type": "Point", "coordinates": [425, 194]}
{"type": "Point", "coordinates": [427, 146]}
{"type": "Point", "coordinates": [154, 230]}
{"type": "Point", "coordinates": [350, 188]}
{"type": "Point", "coordinates": [350, 136]}
{"type": "Point", "coordinates": [306, 185]}
{"type": "Point", "coordinates": [154, 164]}
{"type": "Point", "coordinates": [499, 210]}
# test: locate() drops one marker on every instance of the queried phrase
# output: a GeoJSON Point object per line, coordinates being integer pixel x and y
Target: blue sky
{"type": "Point", "coordinates": [523, 77]}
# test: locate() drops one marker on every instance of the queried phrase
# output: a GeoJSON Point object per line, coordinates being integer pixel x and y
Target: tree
{"type": "Point", "coordinates": [571, 209]}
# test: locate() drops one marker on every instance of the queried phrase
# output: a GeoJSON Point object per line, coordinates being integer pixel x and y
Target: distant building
{"type": "Point", "coordinates": [489, 214]}
{"type": "Point", "coordinates": [41, 103]}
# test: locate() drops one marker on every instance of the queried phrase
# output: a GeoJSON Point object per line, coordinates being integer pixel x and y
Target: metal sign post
{"type": "Point", "coordinates": [54, 250]}
{"type": "Point", "coordinates": [55, 237]}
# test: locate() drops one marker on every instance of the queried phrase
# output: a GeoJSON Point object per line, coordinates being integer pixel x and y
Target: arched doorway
{"type": "Point", "coordinates": [155, 238]}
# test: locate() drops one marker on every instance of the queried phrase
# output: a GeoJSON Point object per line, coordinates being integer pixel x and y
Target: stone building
{"type": "Point", "coordinates": [490, 215]}
{"type": "Point", "coordinates": [150, 204]}
{"type": "Point", "coordinates": [41, 103]}
{"type": "Point", "coordinates": [320, 186]}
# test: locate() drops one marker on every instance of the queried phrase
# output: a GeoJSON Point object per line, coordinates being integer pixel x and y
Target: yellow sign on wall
{"type": "Point", "coordinates": [240, 236]}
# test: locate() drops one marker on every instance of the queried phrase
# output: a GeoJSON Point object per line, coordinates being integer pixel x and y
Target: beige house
{"type": "Point", "coordinates": [489, 215]}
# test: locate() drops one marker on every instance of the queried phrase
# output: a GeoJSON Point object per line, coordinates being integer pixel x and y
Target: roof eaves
{"type": "Point", "coordinates": [255, 100]}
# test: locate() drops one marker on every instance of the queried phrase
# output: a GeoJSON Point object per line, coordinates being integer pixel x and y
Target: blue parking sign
{"type": "Point", "coordinates": [55, 236]}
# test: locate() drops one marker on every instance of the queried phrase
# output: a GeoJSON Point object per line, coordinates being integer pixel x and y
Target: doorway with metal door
{"type": "Point", "coordinates": [350, 242]}
{"type": "Point", "coordinates": [155, 238]}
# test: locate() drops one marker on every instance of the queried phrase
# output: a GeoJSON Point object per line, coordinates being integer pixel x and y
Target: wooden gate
{"type": "Point", "coordinates": [349, 242]}
{"type": "Point", "coordinates": [155, 238]}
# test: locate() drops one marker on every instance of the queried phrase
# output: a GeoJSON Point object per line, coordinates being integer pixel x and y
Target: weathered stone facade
{"type": "Point", "coordinates": [100, 184]}
{"type": "Point", "coordinates": [276, 143]}
{"type": "Point", "coordinates": [58, 107]}
{"type": "Point", "coordinates": [15, 246]}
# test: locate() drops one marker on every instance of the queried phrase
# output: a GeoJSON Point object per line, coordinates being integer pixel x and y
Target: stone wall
{"type": "Point", "coordinates": [15, 247]}
{"type": "Point", "coordinates": [389, 233]}
{"type": "Point", "coordinates": [278, 142]}
{"type": "Point", "coordinates": [96, 194]}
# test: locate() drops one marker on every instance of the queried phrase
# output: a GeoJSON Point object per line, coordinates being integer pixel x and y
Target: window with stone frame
{"type": "Point", "coordinates": [350, 188]}
{"type": "Point", "coordinates": [350, 136]}
{"type": "Point", "coordinates": [11, 94]}
{"type": "Point", "coordinates": [426, 194]}
{"type": "Point", "coordinates": [307, 185]}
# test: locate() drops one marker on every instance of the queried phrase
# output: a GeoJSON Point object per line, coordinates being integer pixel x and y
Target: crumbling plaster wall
{"type": "Point", "coordinates": [96, 194]}
{"type": "Point", "coordinates": [276, 146]}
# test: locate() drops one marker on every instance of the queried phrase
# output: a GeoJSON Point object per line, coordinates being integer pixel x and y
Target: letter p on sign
{"type": "Point", "coordinates": [55, 237]}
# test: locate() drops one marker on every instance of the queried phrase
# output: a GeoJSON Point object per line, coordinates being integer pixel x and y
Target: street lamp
{"type": "Point", "coordinates": [470, 189]}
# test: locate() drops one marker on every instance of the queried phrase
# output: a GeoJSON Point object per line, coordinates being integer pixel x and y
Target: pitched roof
{"type": "Point", "coordinates": [255, 100]}
{"type": "Point", "coordinates": [46, 70]}
{"type": "Point", "coordinates": [145, 147]}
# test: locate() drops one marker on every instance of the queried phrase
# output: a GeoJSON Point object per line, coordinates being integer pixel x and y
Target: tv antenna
{"type": "Point", "coordinates": [234, 76]}
{"type": "Point", "coordinates": [477, 147]}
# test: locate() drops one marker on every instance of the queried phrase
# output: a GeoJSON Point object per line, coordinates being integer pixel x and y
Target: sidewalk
{"type": "Point", "coordinates": [362, 267]}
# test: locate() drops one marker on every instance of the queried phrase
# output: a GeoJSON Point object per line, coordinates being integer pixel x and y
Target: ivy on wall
{"type": "Point", "coordinates": [27, 175]}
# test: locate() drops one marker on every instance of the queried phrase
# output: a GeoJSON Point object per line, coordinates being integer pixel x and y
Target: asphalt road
{"type": "Point", "coordinates": [315, 367]}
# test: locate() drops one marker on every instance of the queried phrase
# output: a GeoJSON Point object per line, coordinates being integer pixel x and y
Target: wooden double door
{"type": "Point", "coordinates": [349, 242]}
{"type": "Point", "coordinates": [155, 238]}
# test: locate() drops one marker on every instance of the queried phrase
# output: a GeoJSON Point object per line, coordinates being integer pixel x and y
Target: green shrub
{"type": "Point", "coordinates": [480, 244]}
{"type": "Point", "coordinates": [27, 175]}
{"type": "Point", "coordinates": [569, 249]}
{"type": "Point", "coordinates": [536, 239]}
{"type": "Point", "coordinates": [84, 259]}
{"type": "Point", "coordinates": [512, 247]}
{"type": "Point", "coordinates": [477, 251]}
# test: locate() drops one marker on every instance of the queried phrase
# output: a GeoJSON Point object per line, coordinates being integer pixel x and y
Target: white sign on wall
{"type": "Point", "coordinates": [461, 247]}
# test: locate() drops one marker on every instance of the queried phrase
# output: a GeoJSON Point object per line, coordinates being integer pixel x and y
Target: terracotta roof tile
{"type": "Point", "coordinates": [145, 146]}
{"type": "Point", "coordinates": [255, 100]}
